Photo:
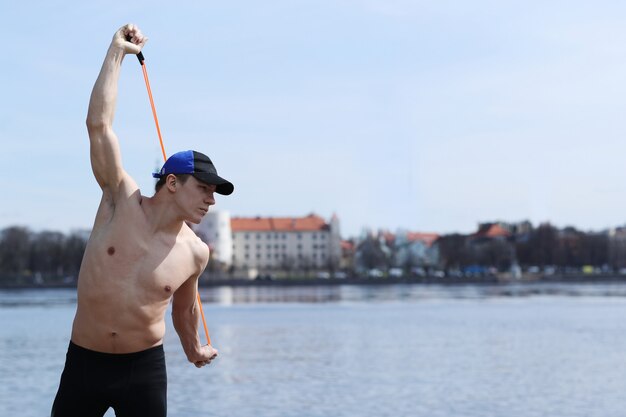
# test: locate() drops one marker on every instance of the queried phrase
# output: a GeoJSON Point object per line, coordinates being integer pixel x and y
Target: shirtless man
{"type": "Point", "coordinates": [140, 255]}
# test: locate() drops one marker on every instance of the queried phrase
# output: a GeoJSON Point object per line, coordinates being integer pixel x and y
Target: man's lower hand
{"type": "Point", "coordinates": [206, 355]}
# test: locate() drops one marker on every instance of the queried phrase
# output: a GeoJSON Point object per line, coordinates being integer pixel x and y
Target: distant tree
{"type": "Point", "coordinates": [306, 264]}
{"type": "Point", "coordinates": [370, 254]}
{"type": "Point", "coordinates": [46, 254]}
{"type": "Point", "coordinates": [288, 263]}
{"type": "Point", "coordinates": [73, 252]}
{"type": "Point", "coordinates": [540, 247]}
{"type": "Point", "coordinates": [14, 251]}
{"type": "Point", "coordinates": [569, 249]}
{"type": "Point", "coordinates": [544, 240]}
{"type": "Point", "coordinates": [453, 251]}
{"type": "Point", "coordinates": [617, 250]}
{"type": "Point", "coordinates": [496, 253]}
{"type": "Point", "coordinates": [595, 249]}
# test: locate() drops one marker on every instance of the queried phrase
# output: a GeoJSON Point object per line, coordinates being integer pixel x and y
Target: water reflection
{"type": "Point", "coordinates": [265, 294]}
{"type": "Point", "coordinates": [403, 292]}
{"type": "Point", "coordinates": [226, 295]}
{"type": "Point", "coordinates": [37, 297]}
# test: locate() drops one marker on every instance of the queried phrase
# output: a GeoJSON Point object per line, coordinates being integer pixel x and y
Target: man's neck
{"type": "Point", "coordinates": [161, 216]}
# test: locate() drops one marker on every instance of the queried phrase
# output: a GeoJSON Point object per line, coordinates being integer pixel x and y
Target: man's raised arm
{"type": "Point", "coordinates": [106, 160]}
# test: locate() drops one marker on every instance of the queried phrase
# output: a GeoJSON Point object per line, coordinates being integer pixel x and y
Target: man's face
{"type": "Point", "coordinates": [194, 198]}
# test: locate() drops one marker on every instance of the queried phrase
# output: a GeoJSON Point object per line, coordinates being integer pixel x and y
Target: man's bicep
{"type": "Point", "coordinates": [106, 158]}
{"type": "Point", "coordinates": [185, 296]}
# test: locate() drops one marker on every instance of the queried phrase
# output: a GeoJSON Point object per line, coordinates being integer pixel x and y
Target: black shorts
{"type": "Point", "coordinates": [134, 384]}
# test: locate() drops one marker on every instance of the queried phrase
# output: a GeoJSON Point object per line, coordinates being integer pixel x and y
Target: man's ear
{"type": "Point", "coordinates": [170, 182]}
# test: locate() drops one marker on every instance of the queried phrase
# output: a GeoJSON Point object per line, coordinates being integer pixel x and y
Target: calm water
{"type": "Point", "coordinates": [361, 351]}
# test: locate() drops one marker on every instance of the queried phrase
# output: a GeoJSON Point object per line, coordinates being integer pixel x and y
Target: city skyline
{"type": "Point", "coordinates": [522, 226]}
{"type": "Point", "coordinates": [392, 114]}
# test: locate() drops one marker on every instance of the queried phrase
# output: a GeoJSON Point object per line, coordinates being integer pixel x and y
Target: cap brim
{"type": "Point", "coordinates": [222, 186]}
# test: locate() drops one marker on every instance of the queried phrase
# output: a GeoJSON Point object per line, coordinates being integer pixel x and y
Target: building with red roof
{"type": "Point", "coordinates": [285, 243]}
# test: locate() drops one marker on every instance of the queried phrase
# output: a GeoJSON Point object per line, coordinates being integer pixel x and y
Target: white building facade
{"type": "Point", "coordinates": [215, 230]}
{"type": "Point", "coordinates": [273, 243]}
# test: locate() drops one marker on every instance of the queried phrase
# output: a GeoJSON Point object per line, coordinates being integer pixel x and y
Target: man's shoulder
{"type": "Point", "coordinates": [199, 249]}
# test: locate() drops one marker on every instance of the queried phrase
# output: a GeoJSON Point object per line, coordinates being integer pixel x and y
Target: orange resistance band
{"type": "Point", "coordinates": [156, 121]}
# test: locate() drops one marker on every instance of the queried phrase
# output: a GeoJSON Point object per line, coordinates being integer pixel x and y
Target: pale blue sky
{"type": "Point", "coordinates": [423, 115]}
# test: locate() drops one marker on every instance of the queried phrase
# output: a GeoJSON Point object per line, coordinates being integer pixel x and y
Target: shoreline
{"type": "Point", "coordinates": [309, 282]}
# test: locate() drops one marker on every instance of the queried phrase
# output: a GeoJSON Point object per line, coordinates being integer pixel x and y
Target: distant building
{"type": "Point", "coordinates": [488, 231]}
{"type": "Point", "coordinates": [502, 230]}
{"type": "Point", "coordinates": [403, 249]}
{"type": "Point", "coordinates": [272, 243]}
{"type": "Point", "coordinates": [416, 249]}
{"type": "Point", "coordinates": [348, 251]}
{"type": "Point", "coordinates": [216, 230]}
{"type": "Point", "coordinates": [493, 245]}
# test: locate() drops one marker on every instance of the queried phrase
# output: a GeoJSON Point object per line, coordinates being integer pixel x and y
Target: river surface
{"type": "Point", "coordinates": [359, 351]}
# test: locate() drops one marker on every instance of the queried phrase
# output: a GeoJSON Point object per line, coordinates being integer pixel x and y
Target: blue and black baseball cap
{"type": "Point", "coordinates": [197, 164]}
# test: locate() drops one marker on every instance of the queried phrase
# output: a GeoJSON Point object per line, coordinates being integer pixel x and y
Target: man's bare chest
{"type": "Point", "coordinates": [152, 263]}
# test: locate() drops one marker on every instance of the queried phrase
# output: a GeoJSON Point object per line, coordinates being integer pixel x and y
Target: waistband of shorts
{"type": "Point", "coordinates": [79, 350]}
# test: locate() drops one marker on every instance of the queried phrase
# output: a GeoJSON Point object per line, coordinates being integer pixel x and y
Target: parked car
{"type": "Point", "coordinates": [375, 273]}
{"type": "Point", "coordinates": [396, 272]}
{"type": "Point", "coordinates": [418, 271]}
{"type": "Point", "coordinates": [438, 274]}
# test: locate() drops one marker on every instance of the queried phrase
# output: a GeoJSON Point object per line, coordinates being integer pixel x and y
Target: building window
{"type": "Point", "coordinates": [314, 236]}
{"type": "Point", "coordinates": [323, 236]}
{"type": "Point", "coordinates": [247, 256]}
{"type": "Point", "coordinates": [258, 247]}
{"type": "Point", "coordinates": [258, 256]}
{"type": "Point", "coordinates": [247, 236]}
{"type": "Point", "coordinates": [258, 236]}
{"type": "Point", "coordinates": [247, 247]}
{"type": "Point", "coordinates": [276, 246]}
{"type": "Point", "coordinates": [314, 246]}
{"type": "Point", "coordinates": [299, 236]}
{"type": "Point", "coordinates": [269, 256]}
{"type": "Point", "coordinates": [269, 247]}
{"type": "Point", "coordinates": [299, 246]}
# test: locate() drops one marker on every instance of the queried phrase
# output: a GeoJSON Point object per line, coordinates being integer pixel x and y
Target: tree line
{"type": "Point", "coordinates": [37, 258]}
{"type": "Point", "coordinates": [542, 246]}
